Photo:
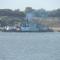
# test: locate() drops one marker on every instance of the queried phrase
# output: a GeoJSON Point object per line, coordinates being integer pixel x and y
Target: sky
{"type": "Point", "coordinates": [35, 4]}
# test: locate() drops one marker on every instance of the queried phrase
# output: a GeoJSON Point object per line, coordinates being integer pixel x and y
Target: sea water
{"type": "Point", "coordinates": [29, 46]}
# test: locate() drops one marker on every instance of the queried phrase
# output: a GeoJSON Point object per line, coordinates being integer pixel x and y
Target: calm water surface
{"type": "Point", "coordinates": [29, 46]}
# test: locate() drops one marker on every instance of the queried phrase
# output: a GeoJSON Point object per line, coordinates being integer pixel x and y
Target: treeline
{"type": "Point", "coordinates": [43, 12]}
{"type": "Point", "coordinates": [37, 13]}
{"type": "Point", "coordinates": [54, 13]}
{"type": "Point", "coordinates": [9, 12]}
{"type": "Point", "coordinates": [12, 17]}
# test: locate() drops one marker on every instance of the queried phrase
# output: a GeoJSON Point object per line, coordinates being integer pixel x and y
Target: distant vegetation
{"type": "Point", "coordinates": [11, 17]}
{"type": "Point", "coordinates": [11, 13]}
{"type": "Point", "coordinates": [43, 13]}
{"type": "Point", "coordinates": [37, 13]}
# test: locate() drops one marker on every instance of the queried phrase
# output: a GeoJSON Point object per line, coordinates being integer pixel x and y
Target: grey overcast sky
{"type": "Point", "coordinates": [36, 4]}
